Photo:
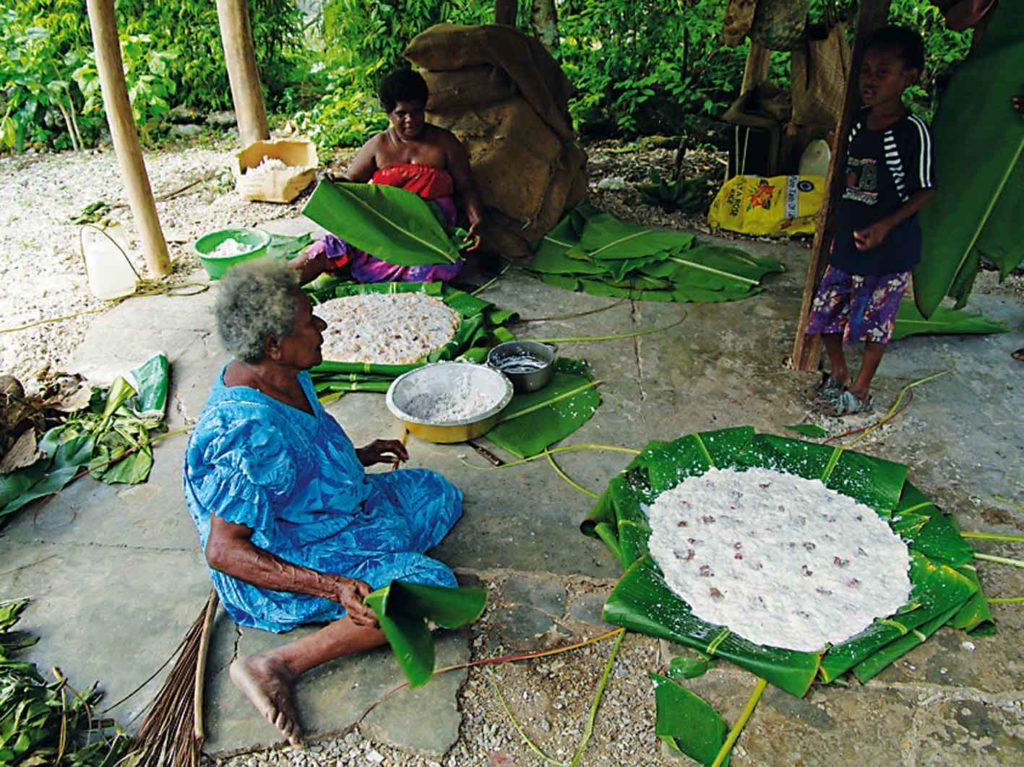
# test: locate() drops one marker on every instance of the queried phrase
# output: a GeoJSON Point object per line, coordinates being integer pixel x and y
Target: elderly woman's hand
{"type": "Point", "coordinates": [382, 451]}
{"type": "Point", "coordinates": [350, 593]}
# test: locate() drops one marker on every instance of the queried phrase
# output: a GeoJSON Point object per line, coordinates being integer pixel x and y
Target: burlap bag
{"type": "Point", "coordinates": [778, 25]}
{"type": "Point", "coordinates": [506, 99]}
{"type": "Point", "coordinates": [467, 87]}
{"type": "Point", "coordinates": [818, 79]}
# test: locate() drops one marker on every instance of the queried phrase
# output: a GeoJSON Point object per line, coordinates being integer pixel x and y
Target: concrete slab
{"type": "Point", "coordinates": [105, 563]}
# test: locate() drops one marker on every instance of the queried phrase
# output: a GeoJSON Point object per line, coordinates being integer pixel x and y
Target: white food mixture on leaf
{"type": "Point", "coordinates": [778, 559]}
{"type": "Point", "coordinates": [385, 329]}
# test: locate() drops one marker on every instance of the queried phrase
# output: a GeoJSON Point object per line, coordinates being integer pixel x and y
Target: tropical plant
{"type": "Point", "coordinates": [47, 722]}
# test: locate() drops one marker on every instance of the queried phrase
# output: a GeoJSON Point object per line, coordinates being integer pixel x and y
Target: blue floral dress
{"type": "Point", "coordinates": [295, 480]}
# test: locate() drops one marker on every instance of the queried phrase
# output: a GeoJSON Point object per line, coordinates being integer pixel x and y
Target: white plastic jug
{"type": "Point", "coordinates": [815, 159]}
{"type": "Point", "coordinates": [111, 274]}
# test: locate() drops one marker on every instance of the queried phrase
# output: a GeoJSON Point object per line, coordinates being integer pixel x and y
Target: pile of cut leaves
{"type": "Point", "coordinates": [597, 253]}
{"type": "Point", "coordinates": [945, 588]}
{"type": "Point", "coordinates": [46, 722]}
{"type": "Point", "coordinates": [109, 438]}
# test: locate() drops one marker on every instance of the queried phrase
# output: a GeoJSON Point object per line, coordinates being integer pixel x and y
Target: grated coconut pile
{"type": "Point", "coordinates": [780, 560]}
{"type": "Point", "coordinates": [385, 329]}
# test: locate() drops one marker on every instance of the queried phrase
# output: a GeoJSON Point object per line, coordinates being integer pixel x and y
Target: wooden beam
{"type": "Point", "coordinates": [110, 68]}
{"type": "Point", "coordinates": [240, 58]}
{"type": "Point", "coordinates": [755, 71]}
{"type": "Point", "coordinates": [505, 12]}
{"type": "Point", "coordinates": [871, 15]}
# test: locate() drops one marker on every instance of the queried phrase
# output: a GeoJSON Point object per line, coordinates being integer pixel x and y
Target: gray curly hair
{"type": "Point", "coordinates": [256, 300]}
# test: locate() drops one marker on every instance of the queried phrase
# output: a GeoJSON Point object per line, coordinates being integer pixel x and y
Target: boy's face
{"type": "Point", "coordinates": [884, 77]}
{"type": "Point", "coordinates": [407, 119]}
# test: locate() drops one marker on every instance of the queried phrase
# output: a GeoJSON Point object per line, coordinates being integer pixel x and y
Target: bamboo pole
{"type": "Point", "coordinates": [505, 12]}
{"type": "Point", "coordinates": [246, 93]}
{"type": "Point", "coordinates": [122, 131]}
{"type": "Point", "coordinates": [807, 349]}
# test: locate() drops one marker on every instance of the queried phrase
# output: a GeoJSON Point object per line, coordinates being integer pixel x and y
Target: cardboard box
{"type": "Point", "coordinates": [276, 185]}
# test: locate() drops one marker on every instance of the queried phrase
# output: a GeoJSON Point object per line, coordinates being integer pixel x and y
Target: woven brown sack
{"type": "Point", "coordinates": [818, 73]}
{"type": "Point", "coordinates": [472, 86]}
{"type": "Point", "coordinates": [779, 25]}
{"type": "Point", "coordinates": [738, 16]}
{"type": "Point", "coordinates": [538, 77]}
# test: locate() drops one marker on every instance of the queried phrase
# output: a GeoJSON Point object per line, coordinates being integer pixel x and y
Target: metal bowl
{"type": "Point", "coordinates": [529, 365]}
{"type": "Point", "coordinates": [443, 378]}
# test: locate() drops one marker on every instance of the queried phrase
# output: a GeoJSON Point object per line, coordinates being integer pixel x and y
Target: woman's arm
{"type": "Point", "coordinates": [230, 550]}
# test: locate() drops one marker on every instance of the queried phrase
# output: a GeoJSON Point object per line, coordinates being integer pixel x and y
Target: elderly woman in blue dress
{"type": "Point", "coordinates": [293, 528]}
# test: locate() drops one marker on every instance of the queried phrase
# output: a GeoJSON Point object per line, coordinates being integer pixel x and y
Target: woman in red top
{"type": "Point", "coordinates": [411, 154]}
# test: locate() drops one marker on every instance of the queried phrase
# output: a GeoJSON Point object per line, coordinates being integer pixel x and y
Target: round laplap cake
{"type": "Point", "coordinates": [780, 560]}
{"type": "Point", "coordinates": [385, 329]}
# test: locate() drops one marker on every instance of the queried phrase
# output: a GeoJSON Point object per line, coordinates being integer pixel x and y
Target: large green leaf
{"type": "Point", "coordinates": [688, 722]}
{"type": "Point", "coordinates": [943, 585]}
{"type": "Point", "coordinates": [558, 415]}
{"type": "Point", "coordinates": [878, 661]}
{"type": "Point", "coordinates": [935, 589]}
{"type": "Point", "coordinates": [642, 602]}
{"type": "Point", "coordinates": [608, 238]}
{"type": "Point", "coordinates": [910, 322]}
{"type": "Point", "coordinates": [389, 223]}
{"type": "Point", "coordinates": [403, 610]}
{"type": "Point", "coordinates": [65, 459]}
{"type": "Point", "coordinates": [976, 129]}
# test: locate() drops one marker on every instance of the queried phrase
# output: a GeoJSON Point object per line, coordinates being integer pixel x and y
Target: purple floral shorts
{"type": "Point", "coordinates": [862, 307]}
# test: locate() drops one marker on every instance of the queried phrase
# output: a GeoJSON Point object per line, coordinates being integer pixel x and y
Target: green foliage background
{"type": "Point", "coordinates": [639, 66]}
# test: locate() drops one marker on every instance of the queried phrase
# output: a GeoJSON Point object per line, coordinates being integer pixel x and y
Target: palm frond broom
{"type": "Point", "coordinates": [172, 733]}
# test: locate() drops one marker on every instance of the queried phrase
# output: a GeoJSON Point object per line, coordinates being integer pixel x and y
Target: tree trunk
{"type": "Point", "coordinates": [122, 131]}
{"type": "Point", "coordinates": [807, 349]}
{"type": "Point", "coordinates": [505, 12]}
{"type": "Point", "coordinates": [544, 19]}
{"type": "Point", "coordinates": [246, 94]}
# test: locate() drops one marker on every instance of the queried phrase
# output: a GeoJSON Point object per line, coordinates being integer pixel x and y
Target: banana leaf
{"type": "Point", "coordinates": [601, 255]}
{"type": "Point", "coordinates": [529, 434]}
{"type": "Point", "coordinates": [811, 430]}
{"type": "Point", "coordinates": [642, 602]}
{"type": "Point", "coordinates": [974, 617]}
{"type": "Point", "coordinates": [943, 320]}
{"type": "Point", "coordinates": [391, 224]}
{"type": "Point", "coordinates": [685, 667]}
{"type": "Point", "coordinates": [687, 722]}
{"type": "Point", "coordinates": [285, 248]}
{"type": "Point", "coordinates": [62, 460]}
{"type": "Point", "coordinates": [943, 585]}
{"type": "Point", "coordinates": [403, 610]}
{"type": "Point", "coordinates": [880, 660]}
{"type": "Point", "coordinates": [975, 128]}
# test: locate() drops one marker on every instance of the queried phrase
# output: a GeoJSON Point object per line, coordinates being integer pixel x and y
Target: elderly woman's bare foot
{"type": "Point", "coordinates": [268, 684]}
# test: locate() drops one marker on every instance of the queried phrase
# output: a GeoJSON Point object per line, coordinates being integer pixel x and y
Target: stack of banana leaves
{"type": "Point", "coordinates": [482, 326]}
{"type": "Point", "coordinates": [597, 253]}
{"type": "Point", "coordinates": [945, 588]}
{"type": "Point", "coordinates": [976, 215]}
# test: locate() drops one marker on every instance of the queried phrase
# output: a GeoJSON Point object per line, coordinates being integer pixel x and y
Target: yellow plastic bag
{"type": "Point", "coordinates": [780, 205]}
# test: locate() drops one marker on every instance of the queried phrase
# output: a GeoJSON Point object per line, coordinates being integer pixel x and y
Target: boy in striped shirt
{"type": "Point", "coordinates": [889, 178]}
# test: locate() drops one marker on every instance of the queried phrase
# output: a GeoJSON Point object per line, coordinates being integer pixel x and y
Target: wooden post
{"type": "Point", "coordinates": [806, 349]}
{"type": "Point", "coordinates": [122, 131]}
{"type": "Point", "coordinates": [505, 12]}
{"type": "Point", "coordinates": [246, 94]}
{"type": "Point", "coordinates": [755, 71]}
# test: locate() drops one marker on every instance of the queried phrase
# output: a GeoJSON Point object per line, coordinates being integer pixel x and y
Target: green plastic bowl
{"type": "Point", "coordinates": [256, 239]}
